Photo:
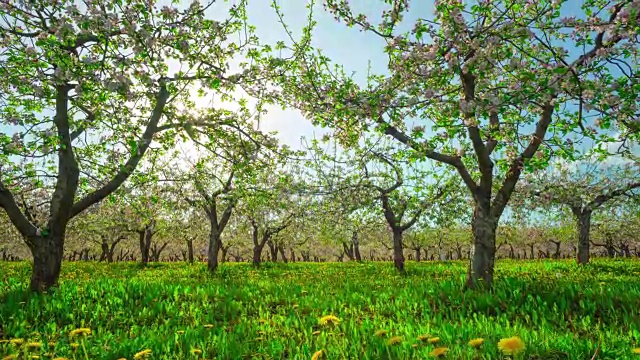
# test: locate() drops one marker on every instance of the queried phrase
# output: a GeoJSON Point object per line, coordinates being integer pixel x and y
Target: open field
{"type": "Point", "coordinates": [179, 311]}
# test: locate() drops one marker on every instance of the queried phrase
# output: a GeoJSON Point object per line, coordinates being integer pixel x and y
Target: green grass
{"type": "Point", "coordinates": [559, 310]}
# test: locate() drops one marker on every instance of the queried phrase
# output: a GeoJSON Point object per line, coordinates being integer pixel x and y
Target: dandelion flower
{"type": "Point", "coordinates": [34, 345]}
{"type": "Point", "coordinates": [196, 351]}
{"type": "Point", "coordinates": [380, 333]}
{"type": "Point", "coordinates": [80, 331]}
{"type": "Point", "coordinates": [329, 320]}
{"type": "Point", "coordinates": [180, 332]}
{"type": "Point", "coordinates": [511, 346]}
{"type": "Point", "coordinates": [476, 343]}
{"type": "Point", "coordinates": [424, 338]}
{"type": "Point", "coordinates": [35, 357]}
{"type": "Point", "coordinates": [395, 340]}
{"type": "Point", "coordinates": [142, 354]}
{"type": "Point", "coordinates": [636, 351]}
{"type": "Point", "coordinates": [433, 340]}
{"type": "Point", "coordinates": [318, 355]}
{"type": "Point", "coordinates": [17, 342]}
{"type": "Point", "coordinates": [208, 326]}
{"type": "Point", "coordinates": [74, 345]}
{"type": "Point", "coordinates": [438, 352]}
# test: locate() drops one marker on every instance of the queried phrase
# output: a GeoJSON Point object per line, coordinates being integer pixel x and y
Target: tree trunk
{"type": "Point", "coordinates": [273, 251]}
{"type": "Point", "coordinates": [47, 260]}
{"type": "Point", "coordinates": [556, 253]}
{"type": "Point", "coordinates": [144, 237]}
{"type": "Point", "coordinates": [257, 252]}
{"type": "Point", "coordinates": [213, 250]}
{"type": "Point", "coordinates": [224, 250]}
{"type": "Point", "coordinates": [398, 256]}
{"type": "Point", "coordinates": [156, 251]}
{"type": "Point", "coordinates": [482, 261]}
{"type": "Point", "coordinates": [356, 247]}
{"type": "Point", "coordinates": [531, 254]}
{"type": "Point", "coordinates": [418, 254]}
{"type": "Point", "coordinates": [584, 225]}
{"type": "Point", "coordinates": [190, 251]}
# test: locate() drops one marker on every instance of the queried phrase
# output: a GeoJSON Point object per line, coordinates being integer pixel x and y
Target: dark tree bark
{"type": "Point", "coordinates": [273, 251]}
{"type": "Point", "coordinates": [261, 235]}
{"type": "Point", "coordinates": [190, 258]}
{"type": "Point", "coordinates": [583, 218]}
{"type": "Point", "coordinates": [156, 251]}
{"type": "Point", "coordinates": [145, 235]}
{"type": "Point", "coordinates": [356, 246]}
{"type": "Point", "coordinates": [398, 255]}
{"type": "Point", "coordinates": [556, 252]}
{"type": "Point", "coordinates": [108, 250]}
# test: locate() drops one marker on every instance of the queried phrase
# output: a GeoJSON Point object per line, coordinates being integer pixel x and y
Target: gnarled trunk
{"type": "Point", "coordinates": [480, 272]}
{"type": "Point", "coordinates": [418, 254]}
{"type": "Point", "coordinates": [583, 219]}
{"type": "Point", "coordinates": [47, 260]}
{"type": "Point", "coordinates": [215, 243]}
{"type": "Point", "coordinates": [273, 251]}
{"type": "Point", "coordinates": [144, 238]}
{"type": "Point", "coordinates": [356, 247]}
{"type": "Point", "coordinates": [398, 256]}
{"type": "Point", "coordinates": [190, 251]}
{"type": "Point", "coordinates": [257, 253]}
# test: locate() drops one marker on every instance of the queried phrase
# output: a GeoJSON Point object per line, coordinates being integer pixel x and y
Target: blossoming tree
{"type": "Point", "coordinates": [583, 190]}
{"type": "Point", "coordinates": [85, 91]}
{"type": "Point", "coordinates": [503, 84]}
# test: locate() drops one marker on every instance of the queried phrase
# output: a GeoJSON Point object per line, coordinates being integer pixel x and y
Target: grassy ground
{"type": "Point", "coordinates": [179, 311]}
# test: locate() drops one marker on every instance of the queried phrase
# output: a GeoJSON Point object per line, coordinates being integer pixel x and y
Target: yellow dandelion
{"type": "Point", "coordinates": [476, 343]}
{"type": "Point", "coordinates": [196, 351]}
{"type": "Point", "coordinates": [180, 332]}
{"type": "Point", "coordinates": [35, 357]}
{"type": "Point", "coordinates": [395, 340]}
{"type": "Point", "coordinates": [34, 345]}
{"type": "Point", "coordinates": [424, 338]}
{"type": "Point", "coordinates": [17, 342]}
{"type": "Point", "coordinates": [636, 351]}
{"type": "Point", "coordinates": [380, 333]}
{"type": "Point", "coordinates": [52, 344]}
{"type": "Point", "coordinates": [74, 345]}
{"type": "Point", "coordinates": [10, 357]}
{"type": "Point", "coordinates": [511, 346]}
{"type": "Point", "coordinates": [433, 340]}
{"type": "Point", "coordinates": [317, 355]}
{"type": "Point", "coordinates": [142, 354]}
{"type": "Point", "coordinates": [317, 332]}
{"type": "Point", "coordinates": [329, 320]}
{"type": "Point", "coordinates": [438, 352]}
{"type": "Point", "coordinates": [208, 326]}
{"type": "Point", "coordinates": [80, 331]}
